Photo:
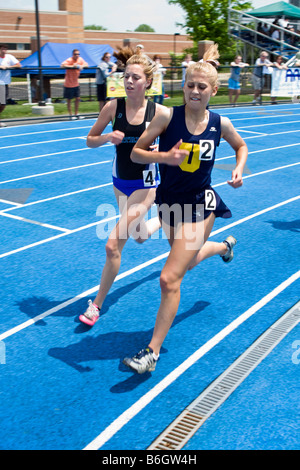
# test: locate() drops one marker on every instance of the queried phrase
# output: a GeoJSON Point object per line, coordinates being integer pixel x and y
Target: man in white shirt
{"type": "Point", "coordinates": [7, 62]}
{"type": "Point", "coordinates": [262, 67]}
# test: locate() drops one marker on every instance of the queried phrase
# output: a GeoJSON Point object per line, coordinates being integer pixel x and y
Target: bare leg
{"type": "Point", "coordinates": [171, 277]}
{"type": "Point", "coordinates": [77, 101]}
{"type": "Point", "coordinates": [209, 249]}
{"type": "Point", "coordinates": [133, 210]}
{"type": "Point", "coordinates": [2, 107]}
{"type": "Point", "coordinates": [69, 105]}
{"type": "Point", "coordinates": [237, 94]}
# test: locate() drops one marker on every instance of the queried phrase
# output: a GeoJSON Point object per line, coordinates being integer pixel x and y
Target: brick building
{"type": "Point", "coordinates": [18, 30]}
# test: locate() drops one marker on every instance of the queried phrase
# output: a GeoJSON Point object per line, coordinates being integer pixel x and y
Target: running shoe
{"type": "Point", "coordinates": [230, 242]}
{"type": "Point", "coordinates": [91, 315]}
{"type": "Point", "coordinates": [142, 362]}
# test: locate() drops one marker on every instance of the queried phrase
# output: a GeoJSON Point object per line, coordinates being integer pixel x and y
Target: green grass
{"type": "Point", "coordinates": [21, 111]}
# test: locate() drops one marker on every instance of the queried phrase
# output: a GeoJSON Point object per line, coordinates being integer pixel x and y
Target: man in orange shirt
{"type": "Point", "coordinates": [73, 67]}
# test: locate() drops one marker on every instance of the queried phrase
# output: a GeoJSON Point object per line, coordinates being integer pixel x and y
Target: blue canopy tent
{"type": "Point", "coordinates": [53, 54]}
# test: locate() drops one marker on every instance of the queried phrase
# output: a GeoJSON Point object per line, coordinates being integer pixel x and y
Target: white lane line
{"type": "Point", "coordinates": [259, 151]}
{"type": "Point", "coordinates": [258, 134]}
{"type": "Point", "coordinates": [41, 156]}
{"type": "Point", "coordinates": [65, 304]}
{"type": "Point", "coordinates": [55, 171]}
{"type": "Point", "coordinates": [131, 412]}
{"type": "Point", "coordinates": [271, 124]}
{"type": "Point", "coordinates": [270, 116]}
{"type": "Point", "coordinates": [18, 206]}
{"type": "Point", "coordinates": [46, 240]}
{"type": "Point", "coordinates": [51, 154]}
{"type": "Point", "coordinates": [130, 271]}
{"type": "Point", "coordinates": [45, 131]}
{"type": "Point", "coordinates": [15, 204]}
{"type": "Point", "coordinates": [35, 222]}
{"type": "Point", "coordinates": [37, 143]}
{"type": "Point", "coordinates": [55, 237]}
{"type": "Point", "coordinates": [260, 172]}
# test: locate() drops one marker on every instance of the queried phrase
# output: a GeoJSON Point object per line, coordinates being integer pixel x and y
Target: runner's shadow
{"type": "Point", "coordinates": [114, 345]}
{"type": "Point", "coordinates": [293, 225]}
{"type": "Point", "coordinates": [113, 298]}
{"type": "Point", "coordinates": [34, 306]}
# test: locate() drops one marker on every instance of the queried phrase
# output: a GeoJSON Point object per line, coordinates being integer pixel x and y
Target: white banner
{"type": "Point", "coordinates": [286, 82]}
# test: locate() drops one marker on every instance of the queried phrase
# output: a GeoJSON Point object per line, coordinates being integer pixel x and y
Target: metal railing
{"type": "Point", "coordinates": [244, 27]}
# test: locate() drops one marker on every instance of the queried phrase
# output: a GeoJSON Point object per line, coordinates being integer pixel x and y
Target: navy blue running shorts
{"type": "Point", "coordinates": [189, 207]}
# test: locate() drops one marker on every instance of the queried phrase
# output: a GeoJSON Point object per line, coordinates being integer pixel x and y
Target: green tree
{"type": "Point", "coordinates": [207, 19]}
{"type": "Point", "coordinates": [95, 27]}
{"type": "Point", "coordinates": [144, 28]}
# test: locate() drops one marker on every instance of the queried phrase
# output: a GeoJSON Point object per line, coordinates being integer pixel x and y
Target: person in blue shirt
{"type": "Point", "coordinates": [187, 204]}
{"type": "Point", "coordinates": [234, 86]}
{"type": "Point", "coordinates": [104, 69]}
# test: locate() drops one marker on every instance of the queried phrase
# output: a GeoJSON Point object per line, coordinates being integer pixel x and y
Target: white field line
{"type": "Point", "coordinates": [51, 154]}
{"type": "Point", "coordinates": [35, 222]}
{"type": "Point", "coordinates": [73, 128]}
{"type": "Point", "coordinates": [24, 325]}
{"type": "Point", "coordinates": [55, 171]}
{"type": "Point", "coordinates": [37, 143]}
{"type": "Point", "coordinates": [256, 174]}
{"type": "Point", "coordinates": [53, 197]}
{"type": "Point", "coordinates": [142, 402]}
{"type": "Point", "coordinates": [3, 255]}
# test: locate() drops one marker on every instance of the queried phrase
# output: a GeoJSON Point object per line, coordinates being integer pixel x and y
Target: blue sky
{"type": "Point", "coordinates": [130, 13]}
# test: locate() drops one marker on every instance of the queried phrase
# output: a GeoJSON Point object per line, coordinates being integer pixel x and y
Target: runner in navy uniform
{"type": "Point", "coordinates": [187, 203]}
{"type": "Point", "coordinates": [134, 183]}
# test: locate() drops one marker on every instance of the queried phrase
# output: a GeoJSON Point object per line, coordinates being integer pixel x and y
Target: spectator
{"type": "Point", "coordinates": [258, 77]}
{"type": "Point", "coordinates": [139, 49]}
{"type": "Point", "coordinates": [274, 31]}
{"type": "Point", "coordinates": [275, 34]}
{"type": "Point", "coordinates": [291, 38]}
{"type": "Point", "coordinates": [7, 62]}
{"type": "Point", "coordinates": [160, 98]}
{"type": "Point", "coordinates": [234, 87]}
{"type": "Point", "coordinates": [104, 69]}
{"type": "Point", "coordinates": [73, 66]}
{"type": "Point", "coordinates": [281, 22]}
{"type": "Point", "coordinates": [281, 66]}
{"type": "Point", "coordinates": [297, 60]}
{"type": "Point", "coordinates": [188, 61]}
{"type": "Point", "coordinates": [263, 29]}
{"type": "Point", "coordinates": [279, 63]}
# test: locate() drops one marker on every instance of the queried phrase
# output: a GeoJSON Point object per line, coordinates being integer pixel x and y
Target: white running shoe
{"type": "Point", "coordinates": [230, 242]}
{"type": "Point", "coordinates": [143, 361]}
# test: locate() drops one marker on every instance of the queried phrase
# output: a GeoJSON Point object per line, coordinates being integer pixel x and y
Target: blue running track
{"type": "Point", "coordinates": [62, 385]}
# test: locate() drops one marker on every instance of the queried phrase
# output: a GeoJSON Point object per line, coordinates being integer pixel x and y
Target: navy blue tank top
{"type": "Point", "coordinates": [194, 174]}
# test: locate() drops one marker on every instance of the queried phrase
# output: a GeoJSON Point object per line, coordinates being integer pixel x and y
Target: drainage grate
{"type": "Point", "coordinates": [189, 421]}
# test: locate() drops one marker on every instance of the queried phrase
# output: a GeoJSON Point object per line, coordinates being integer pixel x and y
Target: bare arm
{"type": "Point", "coordinates": [95, 137]}
{"type": "Point", "coordinates": [229, 133]}
{"type": "Point", "coordinates": [140, 152]}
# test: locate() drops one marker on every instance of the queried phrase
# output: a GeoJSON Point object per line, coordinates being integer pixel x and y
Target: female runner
{"type": "Point", "coordinates": [189, 135]}
{"type": "Point", "coordinates": [134, 183]}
